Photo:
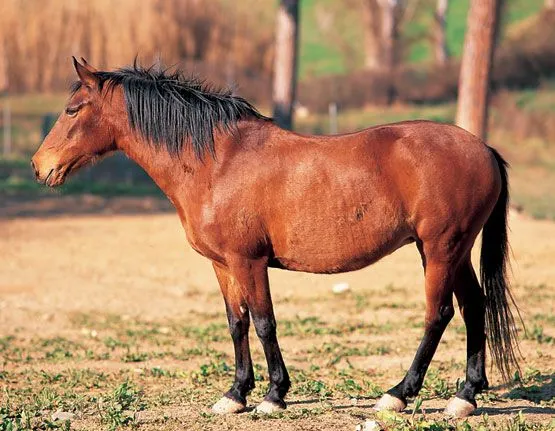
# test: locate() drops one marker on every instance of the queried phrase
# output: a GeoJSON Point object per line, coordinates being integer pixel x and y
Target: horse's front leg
{"type": "Point", "coordinates": [235, 400]}
{"type": "Point", "coordinates": [252, 278]}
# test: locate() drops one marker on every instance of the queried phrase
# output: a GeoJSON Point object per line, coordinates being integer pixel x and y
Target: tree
{"type": "Point", "coordinates": [285, 62]}
{"type": "Point", "coordinates": [479, 44]}
{"type": "Point", "coordinates": [441, 53]}
{"type": "Point", "coordinates": [381, 37]}
{"type": "Point", "coordinates": [3, 66]}
{"type": "Point", "coordinates": [372, 25]}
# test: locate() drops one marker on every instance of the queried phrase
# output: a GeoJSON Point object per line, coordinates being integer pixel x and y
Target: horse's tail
{"type": "Point", "coordinates": [500, 325]}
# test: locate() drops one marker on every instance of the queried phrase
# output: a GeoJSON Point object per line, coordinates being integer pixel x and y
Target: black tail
{"type": "Point", "coordinates": [500, 324]}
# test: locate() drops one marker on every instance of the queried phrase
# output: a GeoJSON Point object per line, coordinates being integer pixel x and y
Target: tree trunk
{"type": "Point", "coordinates": [285, 62]}
{"type": "Point", "coordinates": [372, 27]}
{"type": "Point", "coordinates": [479, 44]}
{"type": "Point", "coordinates": [441, 53]}
{"type": "Point", "coordinates": [390, 14]}
{"type": "Point", "coordinates": [3, 65]}
{"type": "Point", "coordinates": [381, 39]}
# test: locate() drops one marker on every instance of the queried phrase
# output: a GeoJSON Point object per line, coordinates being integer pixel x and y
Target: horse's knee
{"type": "Point", "coordinates": [238, 327]}
{"type": "Point", "coordinates": [265, 328]}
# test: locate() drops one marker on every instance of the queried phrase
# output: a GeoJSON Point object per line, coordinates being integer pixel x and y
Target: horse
{"type": "Point", "coordinates": [251, 195]}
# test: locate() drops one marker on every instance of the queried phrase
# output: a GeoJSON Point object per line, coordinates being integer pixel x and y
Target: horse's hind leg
{"type": "Point", "coordinates": [471, 302]}
{"type": "Point", "coordinates": [439, 272]}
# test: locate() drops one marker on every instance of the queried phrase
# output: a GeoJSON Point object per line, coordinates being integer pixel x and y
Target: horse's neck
{"type": "Point", "coordinates": [184, 178]}
{"type": "Point", "coordinates": [173, 174]}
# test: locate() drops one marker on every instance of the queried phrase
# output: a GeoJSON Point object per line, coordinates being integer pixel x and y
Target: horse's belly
{"type": "Point", "coordinates": [329, 254]}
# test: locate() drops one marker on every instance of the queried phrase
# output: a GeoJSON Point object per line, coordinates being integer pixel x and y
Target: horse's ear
{"type": "Point", "coordinates": [87, 77]}
{"type": "Point", "coordinates": [88, 66]}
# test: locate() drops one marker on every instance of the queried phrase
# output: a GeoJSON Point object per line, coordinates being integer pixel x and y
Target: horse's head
{"type": "Point", "coordinates": [83, 132]}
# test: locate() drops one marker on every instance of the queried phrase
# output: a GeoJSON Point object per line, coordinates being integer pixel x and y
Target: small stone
{"type": "Point", "coordinates": [340, 287]}
{"type": "Point", "coordinates": [62, 416]}
{"type": "Point", "coordinates": [48, 317]}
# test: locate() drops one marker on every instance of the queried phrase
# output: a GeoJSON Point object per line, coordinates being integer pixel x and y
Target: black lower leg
{"type": "Point", "coordinates": [279, 378]}
{"type": "Point", "coordinates": [413, 380]}
{"type": "Point", "coordinates": [476, 379]}
{"type": "Point", "coordinates": [244, 374]}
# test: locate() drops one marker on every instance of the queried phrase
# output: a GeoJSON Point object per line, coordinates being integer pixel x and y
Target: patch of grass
{"type": "Point", "coordinates": [312, 325]}
{"type": "Point", "coordinates": [120, 407]}
{"type": "Point", "coordinates": [311, 388]}
{"type": "Point", "coordinates": [305, 326]}
{"type": "Point", "coordinates": [293, 415]}
{"type": "Point", "coordinates": [534, 386]}
{"type": "Point", "coordinates": [135, 357]}
{"type": "Point", "coordinates": [355, 388]}
{"type": "Point", "coordinates": [202, 351]}
{"type": "Point", "coordinates": [436, 386]}
{"type": "Point", "coordinates": [336, 351]}
{"type": "Point", "coordinates": [25, 420]}
{"type": "Point", "coordinates": [209, 371]}
{"type": "Point", "coordinates": [204, 334]}
{"type": "Point", "coordinates": [537, 334]}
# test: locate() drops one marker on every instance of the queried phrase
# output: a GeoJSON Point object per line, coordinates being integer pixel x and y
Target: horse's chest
{"type": "Point", "coordinates": [215, 234]}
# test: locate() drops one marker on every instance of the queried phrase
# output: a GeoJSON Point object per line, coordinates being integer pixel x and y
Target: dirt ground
{"type": "Point", "coordinates": [115, 321]}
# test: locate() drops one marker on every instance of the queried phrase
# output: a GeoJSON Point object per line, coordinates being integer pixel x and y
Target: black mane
{"type": "Point", "coordinates": [172, 110]}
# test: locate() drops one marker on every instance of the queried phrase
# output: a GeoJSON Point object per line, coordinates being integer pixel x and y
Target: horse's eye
{"type": "Point", "coordinates": [72, 110]}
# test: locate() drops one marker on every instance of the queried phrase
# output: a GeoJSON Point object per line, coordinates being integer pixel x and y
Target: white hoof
{"type": "Point", "coordinates": [389, 402]}
{"type": "Point", "coordinates": [226, 405]}
{"type": "Point", "coordinates": [459, 408]}
{"type": "Point", "coordinates": [267, 408]}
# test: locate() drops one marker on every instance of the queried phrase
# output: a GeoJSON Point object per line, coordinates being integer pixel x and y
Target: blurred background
{"type": "Point", "coordinates": [108, 320]}
{"type": "Point", "coordinates": [353, 64]}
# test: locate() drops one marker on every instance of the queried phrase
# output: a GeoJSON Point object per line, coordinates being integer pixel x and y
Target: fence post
{"type": "Point", "coordinates": [332, 110]}
{"type": "Point", "coordinates": [48, 121]}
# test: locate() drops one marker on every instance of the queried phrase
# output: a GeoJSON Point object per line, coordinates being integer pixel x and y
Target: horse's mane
{"type": "Point", "coordinates": [170, 109]}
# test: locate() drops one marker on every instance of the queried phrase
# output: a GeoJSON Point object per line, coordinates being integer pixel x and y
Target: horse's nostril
{"type": "Point", "coordinates": [35, 170]}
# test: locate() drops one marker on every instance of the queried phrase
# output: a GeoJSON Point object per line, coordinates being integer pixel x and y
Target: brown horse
{"type": "Point", "coordinates": [251, 196]}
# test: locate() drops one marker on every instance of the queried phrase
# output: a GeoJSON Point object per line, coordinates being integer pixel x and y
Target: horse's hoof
{"type": "Point", "coordinates": [459, 408]}
{"type": "Point", "coordinates": [389, 402]}
{"type": "Point", "coordinates": [226, 405]}
{"type": "Point", "coordinates": [267, 408]}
